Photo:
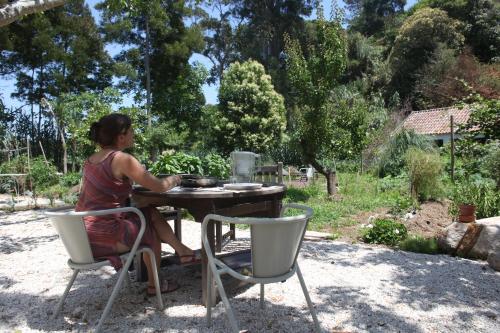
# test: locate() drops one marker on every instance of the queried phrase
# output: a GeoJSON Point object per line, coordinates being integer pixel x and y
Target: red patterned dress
{"type": "Point", "coordinates": [101, 190]}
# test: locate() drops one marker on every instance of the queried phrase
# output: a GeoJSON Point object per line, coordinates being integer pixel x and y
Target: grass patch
{"type": "Point", "coordinates": [420, 245]}
{"type": "Point", "coordinates": [357, 193]}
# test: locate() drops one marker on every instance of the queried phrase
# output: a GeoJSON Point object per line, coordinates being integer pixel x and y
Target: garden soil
{"type": "Point", "coordinates": [428, 221]}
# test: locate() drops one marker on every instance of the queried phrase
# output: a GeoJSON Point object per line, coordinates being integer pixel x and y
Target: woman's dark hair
{"type": "Point", "coordinates": [105, 131]}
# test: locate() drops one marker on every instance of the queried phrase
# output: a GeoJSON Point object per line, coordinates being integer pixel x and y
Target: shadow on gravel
{"type": "Point", "coordinates": [21, 221]}
{"type": "Point", "coordinates": [134, 311]}
{"type": "Point", "coordinates": [10, 245]}
{"type": "Point", "coordinates": [424, 281]}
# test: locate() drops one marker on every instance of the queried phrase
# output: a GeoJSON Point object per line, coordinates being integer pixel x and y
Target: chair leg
{"type": "Point", "coordinates": [308, 299]}
{"type": "Point", "coordinates": [157, 279]}
{"type": "Point", "coordinates": [209, 296]}
{"type": "Point", "coordinates": [227, 305]}
{"type": "Point", "coordinates": [65, 294]}
{"type": "Point", "coordinates": [262, 305]}
{"type": "Point", "coordinates": [127, 279]}
{"type": "Point", "coordinates": [114, 293]}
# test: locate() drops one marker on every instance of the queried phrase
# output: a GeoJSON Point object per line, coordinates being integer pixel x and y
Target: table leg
{"type": "Point", "coordinates": [232, 228]}
{"type": "Point", "coordinates": [204, 267]}
{"type": "Point", "coordinates": [218, 236]}
{"type": "Point", "coordinates": [178, 225]}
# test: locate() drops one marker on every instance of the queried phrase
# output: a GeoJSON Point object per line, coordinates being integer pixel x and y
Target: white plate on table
{"type": "Point", "coordinates": [242, 186]}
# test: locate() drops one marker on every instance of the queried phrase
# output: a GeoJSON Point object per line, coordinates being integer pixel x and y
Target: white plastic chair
{"type": "Point", "coordinates": [71, 229]}
{"type": "Point", "coordinates": [275, 245]}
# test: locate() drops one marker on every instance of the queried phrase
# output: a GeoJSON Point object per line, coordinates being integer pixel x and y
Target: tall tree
{"type": "Point", "coordinates": [155, 36]}
{"type": "Point", "coordinates": [11, 10]}
{"type": "Point", "coordinates": [260, 37]}
{"type": "Point", "coordinates": [481, 18]}
{"type": "Point", "coordinates": [313, 73]}
{"type": "Point", "coordinates": [51, 53]}
{"type": "Point", "coordinates": [220, 38]}
{"type": "Point", "coordinates": [416, 42]}
{"type": "Point", "coordinates": [251, 114]}
{"type": "Point", "coordinates": [370, 17]}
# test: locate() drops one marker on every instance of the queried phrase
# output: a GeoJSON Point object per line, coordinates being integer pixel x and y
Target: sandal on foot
{"type": "Point", "coordinates": [166, 286]}
{"type": "Point", "coordinates": [190, 259]}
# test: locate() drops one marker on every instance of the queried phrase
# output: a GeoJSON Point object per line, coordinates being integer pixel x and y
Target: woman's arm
{"type": "Point", "coordinates": [129, 166]}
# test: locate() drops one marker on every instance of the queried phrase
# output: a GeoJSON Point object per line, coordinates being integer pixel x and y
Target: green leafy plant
{"type": "Point", "coordinates": [477, 191]}
{"type": "Point", "coordinates": [42, 174]}
{"type": "Point", "coordinates": [176, 163]}
{"type": "Point", "coordinates": [70, 179]}
{"type": "Point", "coordinates": [54, 192]}
{"type": "Point", "coordinates": [419, 244]}
{"type": "Point", "coordinates": [216, 166]}
{"type": "Point", "coordinates": [385, 231]}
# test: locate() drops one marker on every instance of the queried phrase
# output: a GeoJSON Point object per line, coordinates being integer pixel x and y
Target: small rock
{"type": "Point", "coordinates": [77, 312]}
{"type": "Point", "coordinates": [408, 216]}
{"type": "Point", "coordinates": [494, 260]}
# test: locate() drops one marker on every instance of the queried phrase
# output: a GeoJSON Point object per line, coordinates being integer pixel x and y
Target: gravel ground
{"type": "Point", "coordinates": [355, 288]}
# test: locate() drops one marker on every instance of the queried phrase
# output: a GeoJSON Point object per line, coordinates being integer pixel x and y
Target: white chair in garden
{"type": "Point", "coordinates": [275, 245]}
{"type": "Point", "coordinates": [71, 229]}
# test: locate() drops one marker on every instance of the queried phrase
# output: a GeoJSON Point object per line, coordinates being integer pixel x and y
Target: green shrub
{"type": "Point", "coordinates": [70, 179]}
{"type": "Point", "coordinates": [385, 231]}
{"type": "Point", "coordinates": [477, 191]}
{"type": "Point", "coordinates": [42, 174]}
{"type": "Point", "coordinates": [177, 163]}
{"type": "Point", "coordinates": [424, 170]}
{"type": "Point", "coordinates": [216, 166]}
{"type": "Point", "coordinates": [491, 165]}
{"type": "Point", "coordinates": [53, 192]}
{"type": "Point", "coordinates": [419, 244]}
{"type": "Point", "coordinates": [18, 164]}
{"type": "Point", "coordinates": [391, 158]}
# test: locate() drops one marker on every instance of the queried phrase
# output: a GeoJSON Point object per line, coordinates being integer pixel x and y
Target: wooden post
{"type": "Point", "coordinates": [289, 175]}
{"type": "Point", "coordinates": [452, 148]}
{"type": "Point", "coordinates": [43, 152]}
{"type": "Point", "coordinates": [28, 148]}
{"type": "Point", "coordinates": [280, 172]}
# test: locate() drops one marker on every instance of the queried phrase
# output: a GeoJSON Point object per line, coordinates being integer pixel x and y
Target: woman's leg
{"type": "Point", "coordinates": [147, 260]}
{"type": "Point", "coordinates": [167, 235]}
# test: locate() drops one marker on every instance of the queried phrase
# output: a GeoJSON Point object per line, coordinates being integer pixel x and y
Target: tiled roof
{"type": "Point", "coordinates": [436, 121]}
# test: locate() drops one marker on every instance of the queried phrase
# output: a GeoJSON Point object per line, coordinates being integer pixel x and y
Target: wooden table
{"type": "Point", "coordinates": [263, 202]}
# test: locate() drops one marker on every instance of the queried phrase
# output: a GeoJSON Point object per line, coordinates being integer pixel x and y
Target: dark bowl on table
{"type": "Point", "coordinates": [198, 181]}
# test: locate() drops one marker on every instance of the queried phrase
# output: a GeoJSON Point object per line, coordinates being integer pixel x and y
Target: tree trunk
{"type": "Point", "coordinates": [331, 182]}
{"type": "Point", "coordinates": [148, 74]}
{"type": "Point", "coordinates": [17, 9]}
{"type": "Point", "coordinates": [65, 153]}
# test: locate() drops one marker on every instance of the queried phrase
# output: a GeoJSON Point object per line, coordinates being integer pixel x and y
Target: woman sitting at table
{"type": "Point", "coordinates": [107, 183]}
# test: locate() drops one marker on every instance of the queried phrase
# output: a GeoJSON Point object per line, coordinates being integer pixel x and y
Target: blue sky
{"type": "Point", "coordinates": [210, 91]}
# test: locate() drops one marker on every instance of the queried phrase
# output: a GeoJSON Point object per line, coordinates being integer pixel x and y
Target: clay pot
{"type": "Point", "coordinates": [467, 213]}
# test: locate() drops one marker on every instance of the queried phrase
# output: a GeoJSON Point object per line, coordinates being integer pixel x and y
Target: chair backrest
{"type": "Point", "coordinates": [270, 173]}
{"type": "Point", "coordinates": [310, 173]}
{"type": "Point", "coordinates": [275, 246]}
{"type": "Point", "coordinates": [71, 229]}
{"type": "Point", "coordinates": [275, 242]}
